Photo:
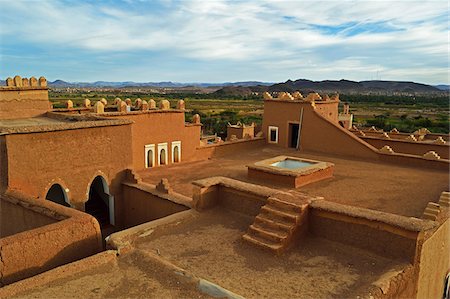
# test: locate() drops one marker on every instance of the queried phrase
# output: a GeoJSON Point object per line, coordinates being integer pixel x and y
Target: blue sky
{"type": "Point", "coordinates": [218, 41]}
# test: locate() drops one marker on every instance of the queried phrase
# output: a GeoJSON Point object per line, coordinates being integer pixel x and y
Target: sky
{"type": "Point", "coordinates": [225, 41]}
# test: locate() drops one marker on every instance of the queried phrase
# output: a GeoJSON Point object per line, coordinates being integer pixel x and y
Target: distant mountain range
{"type": "Point", "coordinates": [346, 86]}
{"type": "Point", "coordinates": [99, 84]}
{"type": "Point", "coordinates": [248, 87]}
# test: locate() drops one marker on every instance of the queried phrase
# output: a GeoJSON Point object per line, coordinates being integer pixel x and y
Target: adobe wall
{"type": "Point", "coordinates": [23, 102]}
{"type": "Point", "coordinates": [414, 161]}
{"type": "Point", "coordinates": [409, 147]}
{"type": "Point", "coordinates": [160, 126]}
{"type": "Point", "coordinates": [386, 234]}
{"type": "Point", "coordinates": [434, 263]}
{"type": "Point", "coordinates": [205, 152]}
{"type": "Point", "coordinates": [240, 132]}
{"type": "Point", "coordinates": [329, 110]}
{"type": "Point", "coordinates": [317, 133]}
{"type": "Point", "coordinates": [16, 219]}
{"type": "Point", "coordinates": [232, 194]}
{"type": "Point", "coordinates": [71, 158]}
{"type": "Point", "coordinates": [142, 203]}
{"type": "Point", "coordinates": [72, 235]}
{"type": "Point", "coordinates": [3, 164]}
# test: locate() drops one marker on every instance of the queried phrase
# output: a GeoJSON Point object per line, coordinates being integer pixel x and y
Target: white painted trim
{"type": "Point", "coordinates": [269, 135]}
{"type": "Point", "coordinates": [146, 149]}
{"type": "Point", "coordinates": [162, 146]}
{"type": "Point", "coordinates": [174, 144]}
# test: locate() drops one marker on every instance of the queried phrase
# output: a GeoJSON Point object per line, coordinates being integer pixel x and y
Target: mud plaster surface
{"type": "Point", "coordinates": [388, 188]}
{"type": "Point", "coordinates": [210, 246]}
{"type": "Point", "coordinates": [128, 277]}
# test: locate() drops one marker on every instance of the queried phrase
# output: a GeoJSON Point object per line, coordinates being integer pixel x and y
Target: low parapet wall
{"type": "Point", "coordinates": [144, 203]}
{"type": "Point", "coordinates": [409, 147]}
{"type": "Point", "coordinates": [235, 195]}
{"type": "Point", "coordinates": [224, 148]}
{"type": "Point", "coordinates": [47, 236]}
{"type": "Point", "coordinates": [386, 234]}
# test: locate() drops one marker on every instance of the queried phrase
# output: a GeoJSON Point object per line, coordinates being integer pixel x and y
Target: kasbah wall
{"type": "Point", "coordinates": [71, 158]}
{"type": "Point", "coordinates": [28, 101]}
{"type": "Point", "coordinates": [320, 131]}
{"type": "Point", "coordinates": [161, 126]}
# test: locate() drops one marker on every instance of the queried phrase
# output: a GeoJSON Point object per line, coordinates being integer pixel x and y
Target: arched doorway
{"type": "Point", "coordinates": [57, 194]}
{"type": "Point", "coordinates": [100, 204]}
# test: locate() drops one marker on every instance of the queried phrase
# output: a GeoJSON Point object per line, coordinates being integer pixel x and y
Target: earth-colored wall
{"type": "Point", "coordinates": [141, 206]}
{"type": "Point", "coordinates": [434, 263]}
{"type": "Point", "coordinates": [240, 132]}
{"type": "Point", "coordinates": [317, 133]}
{"type": "Point", "coordinates": [23, 102]}
{"type": "Point", "coordinates": [160, 126]}
{"type": "Point", "coordinates": [70, 236]}
{"type": "Point", "coordinates": [372, 235]}
{"type": "Point", "coordinates": [16, 219]}
{"type": "Point", "coordinates": [3, 165]}
{"type": "Point", "coordinates": [225, 148]}
{"type": "Point", "coordinates": [71, 158]}
{"type": "Point", "coordinates": [409, 147]}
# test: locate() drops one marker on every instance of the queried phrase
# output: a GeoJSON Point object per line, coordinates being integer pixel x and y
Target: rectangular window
{"type": "Point", "coordinates": [273, 134]}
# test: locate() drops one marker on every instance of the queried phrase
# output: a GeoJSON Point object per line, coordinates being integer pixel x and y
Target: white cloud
{"type": "Point", "coordinates": [260, 33]}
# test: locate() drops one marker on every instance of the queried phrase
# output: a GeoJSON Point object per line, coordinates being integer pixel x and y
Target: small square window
{"type": "Point", "coordinates": [273, 134]}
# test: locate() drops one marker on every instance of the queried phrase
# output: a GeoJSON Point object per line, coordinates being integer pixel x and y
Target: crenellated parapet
{"type": "Point", "coordinates": [23, 98]}
{"type": "Point", "coordinates": [19, 82]}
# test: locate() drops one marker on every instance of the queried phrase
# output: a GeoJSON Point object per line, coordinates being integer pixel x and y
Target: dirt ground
{"type": "Point", "coordinates": [130, 276]}
{"type": "Point", "coordinates": [389, 188]}
{"type": "Point", "coordinates": [210, 246]}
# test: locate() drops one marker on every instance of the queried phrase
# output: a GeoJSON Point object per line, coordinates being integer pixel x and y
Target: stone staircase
{"type": "Point", "coordinates": [279, 222]}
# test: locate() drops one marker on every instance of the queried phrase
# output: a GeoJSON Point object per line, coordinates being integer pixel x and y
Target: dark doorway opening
{"type": "Point", "coordinates": [293, 135]}
{"type": "Point", "coordinates": [57, 194]}
{"type": "Point", "coordinates": [98, 202]}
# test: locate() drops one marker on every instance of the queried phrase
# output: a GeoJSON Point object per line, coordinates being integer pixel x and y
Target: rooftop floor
{"type": "Point", "coordinates": [210, 246]}
{"type": "Point", "coordinates": [389, 188]}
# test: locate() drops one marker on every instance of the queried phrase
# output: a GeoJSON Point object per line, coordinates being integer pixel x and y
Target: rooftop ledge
{"type": "Point", "coordinates": [58, 122]}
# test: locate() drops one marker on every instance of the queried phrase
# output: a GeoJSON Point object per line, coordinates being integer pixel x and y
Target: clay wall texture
{"type": "Point", "coordinates": [409, 147]}
{"type": "Point", "coordinates": [390, 243]}
{"type": "Point", "coordinates": [434, 263]}
{"type": "Point", "coordinates": [141, 206]}
{"type": "Point", "coordinates": [159, 127]}
{"type": "Point", "coordinates": [71, 158]}
{"type": "Point", "coordinates": [317, 133]}
{"type": "Point", "coordinates": [16, 219]}
{"type": "Point", "coordinates": [241, 132]}
{"type": "Point", "coordinates": [72, 235]}
{"type": "Point", "coordinates": [23, 102]}
{"type": "Point", "coordinates": [329, 110]}
{"type": "Point", "coordinates": [222, 149]}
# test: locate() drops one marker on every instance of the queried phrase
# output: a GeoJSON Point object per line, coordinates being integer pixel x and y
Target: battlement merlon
{"type": "Point", "coordinates": [24, 98]}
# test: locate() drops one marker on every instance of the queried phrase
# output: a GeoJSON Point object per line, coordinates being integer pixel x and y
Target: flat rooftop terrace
{"type": "Point", "coordinates": [389, 188]}
{"type": "Point", "coordinates": [210, 245]}
{"type": "Point", "coordinates": [55, 122]}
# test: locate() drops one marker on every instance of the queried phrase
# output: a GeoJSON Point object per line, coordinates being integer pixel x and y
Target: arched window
{"type": "Point", "coordinates": [57, 194]}
{"type": "Point", "coordinates": [162, 157]}
{"type": "Point", "coordinates": [100, 203]}
{"type": "Point", "coordinates": [176, 154]}
{"type": "Point", "coordinates": [149, 155]}
{"type": "Point", "coordinates": [176, 151]}
{"type": "Point", "coordinates": [149, 158]}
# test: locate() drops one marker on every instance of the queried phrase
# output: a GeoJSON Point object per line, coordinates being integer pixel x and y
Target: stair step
{"type": "Point", "coordinates": [263, 243]}
{"type": "Point", "coordinates": [263, 221]}
{"type": "Point", "coordinates": [284, 205]}
{"type": "Point", "coordinates": [276, 236]}
{"type": "Point", "coordinates": [284, 215]}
